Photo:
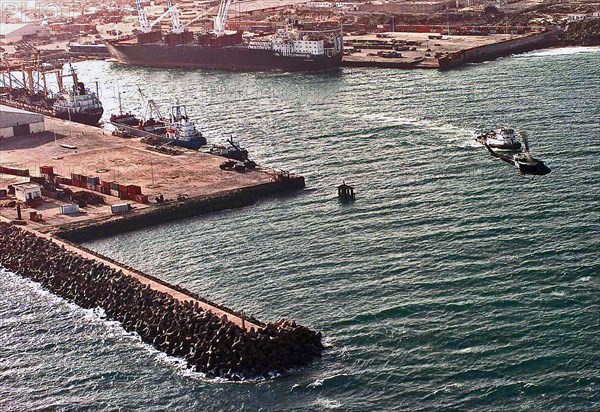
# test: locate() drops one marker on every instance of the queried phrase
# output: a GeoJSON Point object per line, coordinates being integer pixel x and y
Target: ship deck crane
{"type": "Point", "coordinates": [176, 26]}
{"type": "Point", "coordinates": [172, 11]}
{"type": "Point", "coordinates": [151, 108]}
{"type": "Point", "coordinates": [221, 17]}
{"type": "Point", "coordinates": [142, 17]}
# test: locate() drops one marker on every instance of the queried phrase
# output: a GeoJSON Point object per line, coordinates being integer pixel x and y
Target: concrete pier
{"type": "Point", "coordinates": [190, 183]}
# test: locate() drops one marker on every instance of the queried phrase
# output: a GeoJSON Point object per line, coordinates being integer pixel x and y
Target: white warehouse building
{"type": "Point", "coordinates": [14, 33]}
{"type": "Point", "coordinates": [17, 122]}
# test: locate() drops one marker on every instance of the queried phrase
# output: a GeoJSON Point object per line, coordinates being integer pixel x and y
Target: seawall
{"type": "Point", "coordinates": [172, 322]}
{"type": "Point", "coordinates": [500, 49]}
{"type": "Point", "coordinates": [166, 212]}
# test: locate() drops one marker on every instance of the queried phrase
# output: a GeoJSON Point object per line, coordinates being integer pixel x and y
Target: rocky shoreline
{"type": "Point", "coordinates": [209, 344]}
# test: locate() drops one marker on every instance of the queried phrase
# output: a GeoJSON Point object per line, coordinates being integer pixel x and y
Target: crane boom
{"type": "Point", "coordinates": [221, 17]}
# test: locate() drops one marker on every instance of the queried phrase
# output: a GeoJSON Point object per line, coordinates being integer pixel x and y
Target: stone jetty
{"type": "Point", "coordinates": [212, 344]}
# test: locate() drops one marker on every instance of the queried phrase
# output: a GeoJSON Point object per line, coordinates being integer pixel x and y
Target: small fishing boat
{"type": "Point", "coordinates": [501, 139]}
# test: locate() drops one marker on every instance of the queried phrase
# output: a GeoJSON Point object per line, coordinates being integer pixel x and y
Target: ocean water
{"type": "Point", "coordinates": [452, 283]}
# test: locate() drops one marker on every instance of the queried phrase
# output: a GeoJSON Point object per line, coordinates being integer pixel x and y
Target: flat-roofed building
{"type": "Point", "coordinates": [17, 122]}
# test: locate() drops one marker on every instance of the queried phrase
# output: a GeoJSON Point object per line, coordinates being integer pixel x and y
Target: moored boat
{"type": "Point", "coordinates": [233, 151]}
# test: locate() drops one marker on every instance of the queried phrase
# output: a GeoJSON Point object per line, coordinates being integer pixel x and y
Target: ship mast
{"type": "Point", "coordinates": [221, 17]}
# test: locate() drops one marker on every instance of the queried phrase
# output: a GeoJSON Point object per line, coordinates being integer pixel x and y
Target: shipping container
{"type": "Point", "coordinates": [134, 189]}
{"type": "Point", "coordinates": [98, 188]}
{"type": "Point", "coordinates": [120, 208]}
{"type": "Point", "coordinates": [123, 196]}
{"type": "Point", "coordinates": [122, 188]}
{"type": "Point", "coordinates": [106, 184]}
{"type": "Point", "coordinates": [93, 180]}
{"type": "Point", "coordinates": [142, 199]}
{"type": "Point", "coordinates": [114, 193]}
{"type": "Point", "coordinates": [14, 171]}
{"type": "Point", "coordinates": [69, 209]}
{"type": "Point", "coordinates": [114, 186]}
{"type": "Point", "coordinates": [49, 170]}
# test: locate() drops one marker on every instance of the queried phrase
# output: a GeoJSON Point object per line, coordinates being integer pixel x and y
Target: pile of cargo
{"type": "Point", "coordinates": [123, 192]}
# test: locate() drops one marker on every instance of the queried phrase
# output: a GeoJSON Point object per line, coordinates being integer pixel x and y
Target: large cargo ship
{"type": "Point", "coordinates": [294, 47]}
{"type": "Point", "coordinates": [27, 89]}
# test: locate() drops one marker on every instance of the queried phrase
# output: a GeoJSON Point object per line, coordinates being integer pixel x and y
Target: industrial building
{"type": "Point", "coordinates": [14, 33]}
{"type": "Point", "coordinates": [17, 122]}
{"type": "Point", "coordinates": [27, 191]}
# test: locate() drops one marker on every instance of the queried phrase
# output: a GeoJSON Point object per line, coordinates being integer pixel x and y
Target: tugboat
{"type": "Point", "coordinates": [523, 161]}
{"type": "Point", "coordinates": [182, 131]}
{"type": "Point", "coordinates": [234, 151]}
{"type": "Point", "coordinates": [501, 139]}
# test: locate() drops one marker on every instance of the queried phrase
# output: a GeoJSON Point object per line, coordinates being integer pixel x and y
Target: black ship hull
{"type": "Point", "coordinates": [217, 58]}
{"type": "Point", "coordinates": [89, 118]}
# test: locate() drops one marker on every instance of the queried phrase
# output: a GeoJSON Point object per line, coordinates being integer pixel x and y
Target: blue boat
{"type": "Point", "coordinates": [182, 131]}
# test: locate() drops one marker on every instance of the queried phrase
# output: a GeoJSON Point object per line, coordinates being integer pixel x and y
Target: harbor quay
{"type": "Point", "coordinates": [47, 203]}
{"type": "Point", "coordinates": [107, 172]}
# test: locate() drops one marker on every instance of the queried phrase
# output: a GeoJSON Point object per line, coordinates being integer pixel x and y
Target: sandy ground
{"type": "Point", "coordinates": [126, 161]}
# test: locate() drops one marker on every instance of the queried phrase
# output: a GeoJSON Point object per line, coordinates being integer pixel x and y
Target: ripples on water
{"type": "Point", "coordinates": [452, 283]}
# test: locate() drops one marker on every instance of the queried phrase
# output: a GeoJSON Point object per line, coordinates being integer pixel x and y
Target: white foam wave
{"type": "Point", "coordinates": [563, 51]}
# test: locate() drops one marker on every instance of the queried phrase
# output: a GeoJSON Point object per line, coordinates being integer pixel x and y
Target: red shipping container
{"type": "Point", "coordinates": [142, 199]}
{"type": "Point", "coordinates": [106, 185]}
{"type": "Point", "coordinates": [123, 196]}
{"type": "Point", "coordinates": [135, 190]}
{"type": "Point", "coordinates": [122, 188]}
{"type": "Point", "coordinates": [48, 170]}
{"type": "Point", "coordinates": [98, 188]}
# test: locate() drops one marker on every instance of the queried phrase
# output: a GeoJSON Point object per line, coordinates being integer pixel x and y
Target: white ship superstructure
{"type": "Point", "coordinates": [290, 42]}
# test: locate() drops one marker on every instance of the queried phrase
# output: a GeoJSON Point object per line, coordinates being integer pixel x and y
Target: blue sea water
{"type": "Point", "coordinates": [452, 283]}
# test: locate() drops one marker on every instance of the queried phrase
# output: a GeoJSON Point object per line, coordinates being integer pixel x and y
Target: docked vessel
{"type": "Point", "coordinates": [232, 151]}
{"type": "Point", "coordinates": [182, 131]}
{"type": "Point", "coordinates": [78, 105]}
{"type": "Point", "coordinates": [291, 48]}
{"type": "Point", "coordinates": [502, 139]}
{"type": "Point", "coordinates": [134, 126]}
{"type": "Point", "coordinates": [75, 103]}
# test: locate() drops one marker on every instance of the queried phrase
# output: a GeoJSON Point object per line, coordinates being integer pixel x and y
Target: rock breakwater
{"type": "Point", "coordinates": [209, 344]}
